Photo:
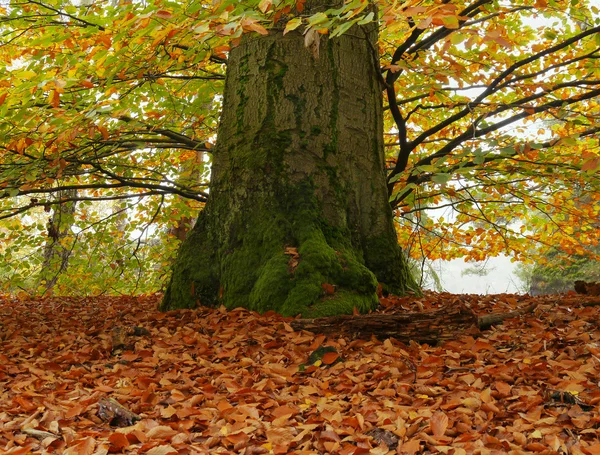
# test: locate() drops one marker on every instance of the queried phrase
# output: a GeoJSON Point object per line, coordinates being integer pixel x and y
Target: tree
{"type": "Point", "coordinates": [490, 109]}
{"type": "Point", "coordinates": [57, 250]}
{"type": "Point", "coordinates": [298, 200]}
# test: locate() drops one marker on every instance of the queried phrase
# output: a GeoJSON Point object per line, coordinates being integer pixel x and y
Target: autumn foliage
{"type": "Point", "coordinates": [212, 381]}
{"type": "Point", "coordinates": [492, 113]}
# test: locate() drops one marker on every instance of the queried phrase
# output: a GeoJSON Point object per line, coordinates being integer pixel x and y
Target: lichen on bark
{"type": "Point", "coordinates": [298, 166]}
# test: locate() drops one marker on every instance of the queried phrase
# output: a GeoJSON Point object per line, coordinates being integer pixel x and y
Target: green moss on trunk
{"type": "Point", "coordinates": [298, 220]}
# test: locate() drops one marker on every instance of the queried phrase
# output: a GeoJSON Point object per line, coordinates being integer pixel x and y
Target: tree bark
{"type": "Point", "coordinates": [298, 219]}
{"type": "Point", "coordinates": [431, 328]}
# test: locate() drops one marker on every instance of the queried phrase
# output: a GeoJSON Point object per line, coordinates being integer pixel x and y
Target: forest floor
{"type": "Point", "coordinates": [217, 381]}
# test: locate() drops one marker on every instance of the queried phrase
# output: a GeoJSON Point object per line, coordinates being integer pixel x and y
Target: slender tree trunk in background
{"type": "Point", "coordinates": [57, 250]}
{"type": "Point", "coordinates": [192, 176]}
{"type": "Point", "coordinates": [298, 219]}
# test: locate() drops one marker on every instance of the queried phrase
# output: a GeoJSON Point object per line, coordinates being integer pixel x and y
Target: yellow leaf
{"type": "Point", "coordinates": [292, 25]}
{"type": "Point", "coordinates": [27, 74]}
{"type": "Point", "coordinates": [264, 5]}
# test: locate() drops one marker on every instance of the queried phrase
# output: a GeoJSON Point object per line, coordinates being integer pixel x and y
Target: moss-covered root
{"type": "Point", "coordinates": [386, 260]}
{"type": "Point", "coordinates": [193, 281]}
{"type": "Point", "coordinates": [318, 280]}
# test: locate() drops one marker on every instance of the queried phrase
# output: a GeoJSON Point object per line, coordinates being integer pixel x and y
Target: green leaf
{"type": "Point", "coordinates": [317, 19]}
{"type": "Point", "coordinates": [343, 28]}
{"type": "Point", "coordinates": [368, 18]}
{"type": "Point", "coordinates": [509, 151]}
{"type": "Point", "coordinates": [427, 168]}
{"type": "Point", "coordinates": [457, 38]}
{"type": "Point", "coordinates": [441, 178]}
{"type": "Point", "coordinates": [451, 22]}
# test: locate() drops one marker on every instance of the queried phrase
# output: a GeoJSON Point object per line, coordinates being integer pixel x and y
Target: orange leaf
{"type": "Point", "coordinates": [328, 288]}
{"type": "Point", "coordinates": [330, 435]}
{"type": "Point", "coordinates": [411, 447]}
{"type": "Point", "coordinates": [438, 424]}
{"type": "Point", "coordinates": [118, 441]}
{"type": "Point", "coordinates": [589, 165]}
{"type": "Point", "coordinates": [284, 410]}
{"type": "Point", "coordinates": [258, 28]}
{"type": "Point", "coordinates": [54, 98]}
{"type": "Point", "coordinates": [592, 450]}
{"type": "Point", "coordinates": [164, 14]}
{"type": "Point", "coordinates": [316, 342]}
{"type": "Point", "coordinates": [104, 132]}
{"type": "Point", "coordinates": [503, 388]}
{"type": "Point", "coordinates": [82, 447]}
{"type": "Point", "coordinates": [3, 98]}
{"type": "Point", "coordinates": [329, 358]}
{"type": "Point", "coordinates": [161, 432]}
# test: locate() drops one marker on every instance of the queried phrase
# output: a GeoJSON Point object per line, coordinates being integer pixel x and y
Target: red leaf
{"type": "Point", "coordinates": [329, 358]}
{"type": "Point", "coordinates": [164, 14]}
{"type": "Point", "coordinates": [118, 441]}
{"type": "Point", "coordinates": [328, 288]}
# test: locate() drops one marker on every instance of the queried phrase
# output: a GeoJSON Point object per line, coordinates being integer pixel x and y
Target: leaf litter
{"type": "Point", "coordinates": [218, 381]}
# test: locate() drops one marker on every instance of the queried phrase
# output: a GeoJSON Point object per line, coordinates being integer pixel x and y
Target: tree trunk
{"type": "Point", "coordinates": [57, 250]}
{"type": "Point", "coordinates": [298, 219]}
{"type": "Point", "coordinates": [191, 175]}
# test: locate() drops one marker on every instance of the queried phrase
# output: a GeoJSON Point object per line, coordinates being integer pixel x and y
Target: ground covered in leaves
{"type": "Point", "coordinates": [213, 381]}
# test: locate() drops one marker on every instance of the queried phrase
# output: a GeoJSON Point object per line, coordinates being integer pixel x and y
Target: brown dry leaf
{"type": "Point", "coordinates": [161, 432]}
{"type": "Point", "coordinates": [118, 441]}
{"type": "Point", "coordinates": [503, 388]}
{"type": "Point", "coordinates": [328, 289]}
{"type": "Point", "coordinates": [410, 448]}
{"type": "Point", "coordinates": [161, 450]}
{"type": "Point", "coordinates": [284, 411]}
{"type": "Point", "coordinates": [438, 424]}
{"type": "Point", "coordinates": [329, 436]}
{"type": "Point", "coordinates": [230, 380]}
{"type": "Point", "coordinates": [593, 449]}
{"type": "Point", "coordinates": [280, 436]}
{"type": "Point", "coordinates": [81, 447]}
{"type": "Point", "coordinates": [312, 41]}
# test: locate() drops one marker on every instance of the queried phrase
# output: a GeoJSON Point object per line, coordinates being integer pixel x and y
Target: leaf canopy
{"type": "Point", "coordinates": [491, 110]}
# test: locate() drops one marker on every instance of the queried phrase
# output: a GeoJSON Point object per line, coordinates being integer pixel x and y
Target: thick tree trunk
{"type": "Point", "coordinates": [298, 219]}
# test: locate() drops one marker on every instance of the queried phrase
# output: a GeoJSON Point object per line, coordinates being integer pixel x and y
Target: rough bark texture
{"type": "Point", "coordinates": [431, 328]}
{"type": "Point", "coordinates": [299, 165]}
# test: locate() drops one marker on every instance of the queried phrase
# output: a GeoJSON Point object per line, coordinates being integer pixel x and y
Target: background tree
{"type": "Point", "coordinates": [109, 97]}
{"type": "Point", "coordinates": [57, 248]}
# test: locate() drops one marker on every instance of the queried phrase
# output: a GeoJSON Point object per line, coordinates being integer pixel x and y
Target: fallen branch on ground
{"type": "Point", "coordinates": [430, 328]}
